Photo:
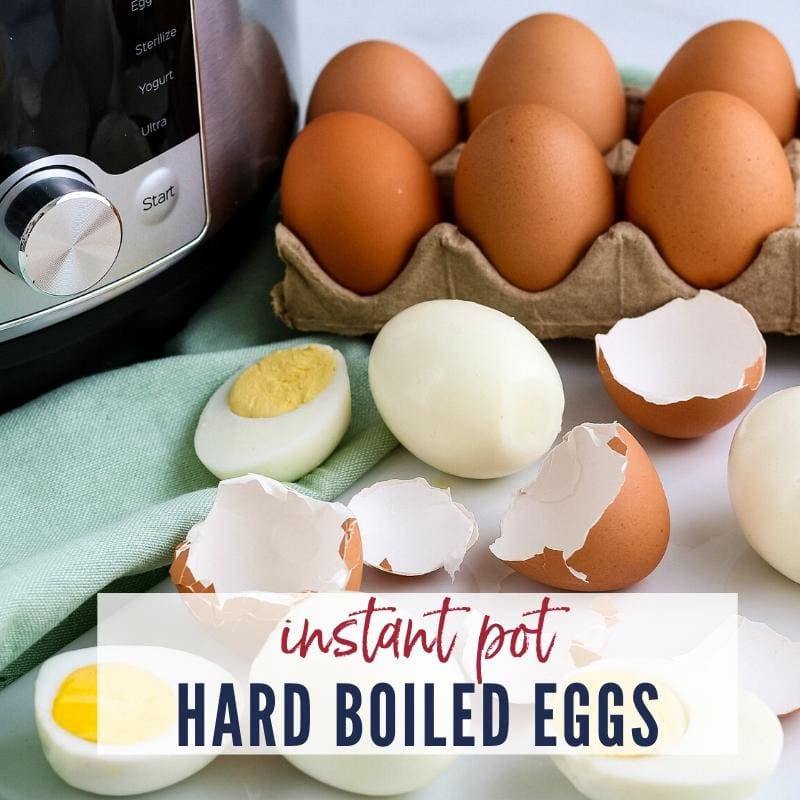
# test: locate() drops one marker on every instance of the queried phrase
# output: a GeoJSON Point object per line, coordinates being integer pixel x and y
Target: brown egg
{"type": "Point", "coordinates": [737, 57]}
{"type": "Point", "coordinates": [533, 192]}
{"type": "Point", "coordinates": [392, 84]}
{"type": "Point", "coordinates": [626, 539]}
{"type": "Point", "coordinates": [359, 195]}
{"type": "Point", "coordinates": [558, 62]}
{"type": "Point", "coordinates": [708, 184]}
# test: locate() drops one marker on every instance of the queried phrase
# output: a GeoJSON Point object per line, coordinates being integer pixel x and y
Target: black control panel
{"type": "Point", "coordinates": [110, 80]}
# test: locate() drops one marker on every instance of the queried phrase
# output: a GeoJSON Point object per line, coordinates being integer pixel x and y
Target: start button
{"type": "Point", "coordinates": [157, 195]}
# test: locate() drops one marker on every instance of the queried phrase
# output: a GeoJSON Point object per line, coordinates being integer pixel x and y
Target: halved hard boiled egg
{"type": "Point", "coordinates": [108, 721]}
{"type": "Point", "coordinates": [280, 417]}
{"type": "Point", "coordinates": [735, 776]}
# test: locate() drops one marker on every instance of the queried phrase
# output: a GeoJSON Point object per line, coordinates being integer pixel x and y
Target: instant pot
{"type": "Point", "coordinates": [133, 136]}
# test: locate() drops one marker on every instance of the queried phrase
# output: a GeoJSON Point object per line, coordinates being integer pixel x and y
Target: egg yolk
{"type": "Point", "coordinates": [282, 381]}
{"type": "Point", "coordinates": [668, 711]}
{"type": "Point", "coordinates": [134, 705]}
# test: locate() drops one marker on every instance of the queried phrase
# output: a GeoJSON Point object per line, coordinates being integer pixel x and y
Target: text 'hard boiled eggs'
{"type": "Point", "coordinates": [596, 517]}
{"type": "Point", "coordinates": [412, 528]}
{"type": "Point", "coordinates": [107, 717]}
{"type": "Point", "coordinates": [280, 417]}
{"type": "Point", "coordinates": [685, 369]}
{"type": "Point", "coordinates": [466, 388]}
{"type": "Point", "coordinates": [763, 476]}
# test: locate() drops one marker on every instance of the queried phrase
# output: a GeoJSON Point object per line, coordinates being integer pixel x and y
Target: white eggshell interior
{"type": "Point", "coordinates": [466, 388]}
{"type": "Point", "coordinates": [579, 479]}
{"type": "Point", "coordinates": [699, 347]}
{"type": "Point", "coordinates": [262, 536]}
{"type": "Point", "coordinates": [409, 527]}
{"type": "Point", "coordinates": [769, 666]}
{"type": "Point", "coordinates": [286, 447]}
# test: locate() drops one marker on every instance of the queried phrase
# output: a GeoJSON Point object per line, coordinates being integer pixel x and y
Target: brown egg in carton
{"type": "Point", "coordinates": [621, 275]}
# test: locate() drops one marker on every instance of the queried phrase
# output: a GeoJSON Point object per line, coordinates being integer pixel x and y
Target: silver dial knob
{"type": "Point", "coordinates": [58, 233]}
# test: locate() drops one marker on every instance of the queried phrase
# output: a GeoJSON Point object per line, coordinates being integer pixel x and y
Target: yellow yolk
{"type": "Point", "coordinates": [668, 712]}
{"type": "Point", "coordinates": [282, 381]}
{"type": "Point", "coordinates": [134, 704]}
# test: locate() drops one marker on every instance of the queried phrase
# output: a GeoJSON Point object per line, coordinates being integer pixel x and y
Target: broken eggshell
{"type": "Point", "coordinates": [409, 527]}
{"type": "Point", "coordinates": [596, 517]}
{"type": "Point", "coordinates": [685, 369]}
{"type": "Point", "coordinates": [769, 666]}
{"type": "Point", "coordinates": [261, 546]}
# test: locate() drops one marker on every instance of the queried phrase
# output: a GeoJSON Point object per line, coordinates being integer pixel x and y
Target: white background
{"type": "Point", "coordinates": [455, 33]}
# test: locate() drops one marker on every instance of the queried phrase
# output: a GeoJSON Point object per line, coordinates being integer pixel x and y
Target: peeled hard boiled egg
{"type": "Point", "coordinates": [389, 82]}
{"type": "Point", "coordinates": [128, 704]}
{"type": "Point", "coordinates": [709, 183]}
{"type": "Point", "coordinates": [736, 56]}
{"type": "Point", "coordinates": [280, 417]}
{"type": "Point", "coordinates": [533, 192]}
{"type": "Point", "coordinates": [466, 388]}
{"type": "Point", "coordinates": [359, 196]}
{"type": "Point", "coordinates": [558, 62]}
{"type": "Point", "coordinates": [763, 479]}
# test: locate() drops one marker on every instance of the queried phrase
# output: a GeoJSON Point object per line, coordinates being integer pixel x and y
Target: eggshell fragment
{"type": "Point", "coordinates": [769, 666]}
{"type": "Point", "coordinates": [412, 528]}
{"type": "Point", "coordinates": [685, 369]}
{"type": "Point", "coordinates": [596, 517]}
{"type": "Point", "coordinates": [261, 536]}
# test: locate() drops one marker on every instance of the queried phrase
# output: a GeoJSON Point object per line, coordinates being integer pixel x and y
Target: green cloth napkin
{"type": "Point", "coordinates": [100, 480]}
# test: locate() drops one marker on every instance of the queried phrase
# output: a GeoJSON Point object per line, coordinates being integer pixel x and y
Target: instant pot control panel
{"type": "Point", "coordinates": [101, 166]}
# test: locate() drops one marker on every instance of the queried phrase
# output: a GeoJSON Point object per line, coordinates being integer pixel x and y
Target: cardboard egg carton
{"type": "Point", "coordinates": [621, 275]}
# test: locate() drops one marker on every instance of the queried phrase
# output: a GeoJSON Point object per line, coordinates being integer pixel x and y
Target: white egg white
{"type": "Point", "coordinates": [682, 772]}
{"type": "Point", "coordinates": [763, 475]}
{"type": "Point", "coordinates": [467, 389]}
{"type": "Point", "coordinates": [374, 775]}
{"type": "Point", "coordinates": [132, 768]}
{"type": "Point", "coordinates": [285, 447]}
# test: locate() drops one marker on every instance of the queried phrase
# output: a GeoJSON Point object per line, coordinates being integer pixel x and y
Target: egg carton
{"type": "Point", "coordinates": [621, 275]}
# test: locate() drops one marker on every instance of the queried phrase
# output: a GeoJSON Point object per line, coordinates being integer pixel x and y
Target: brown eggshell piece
{"type": "Point", "coordinates": [352, 553]}
{"type": "Point", "coordinates": [628, 540]}
{"type": "Point", "coordinates": [360, 196]}
{"type": "Point", "coordinates": [391, 83]}
{"type": "Point", "coordinates": [709, 183]}
{"type": "Point", "coordinates": [262, 537]}
{"type": "Point", "coordinates": [556, 61]}
{"type": "Point", "coordinates": [534, 193]}
{"type": "Point", "coordinates": [734, 340]}
{"type": "Point", "coordinates": [738, 57]}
